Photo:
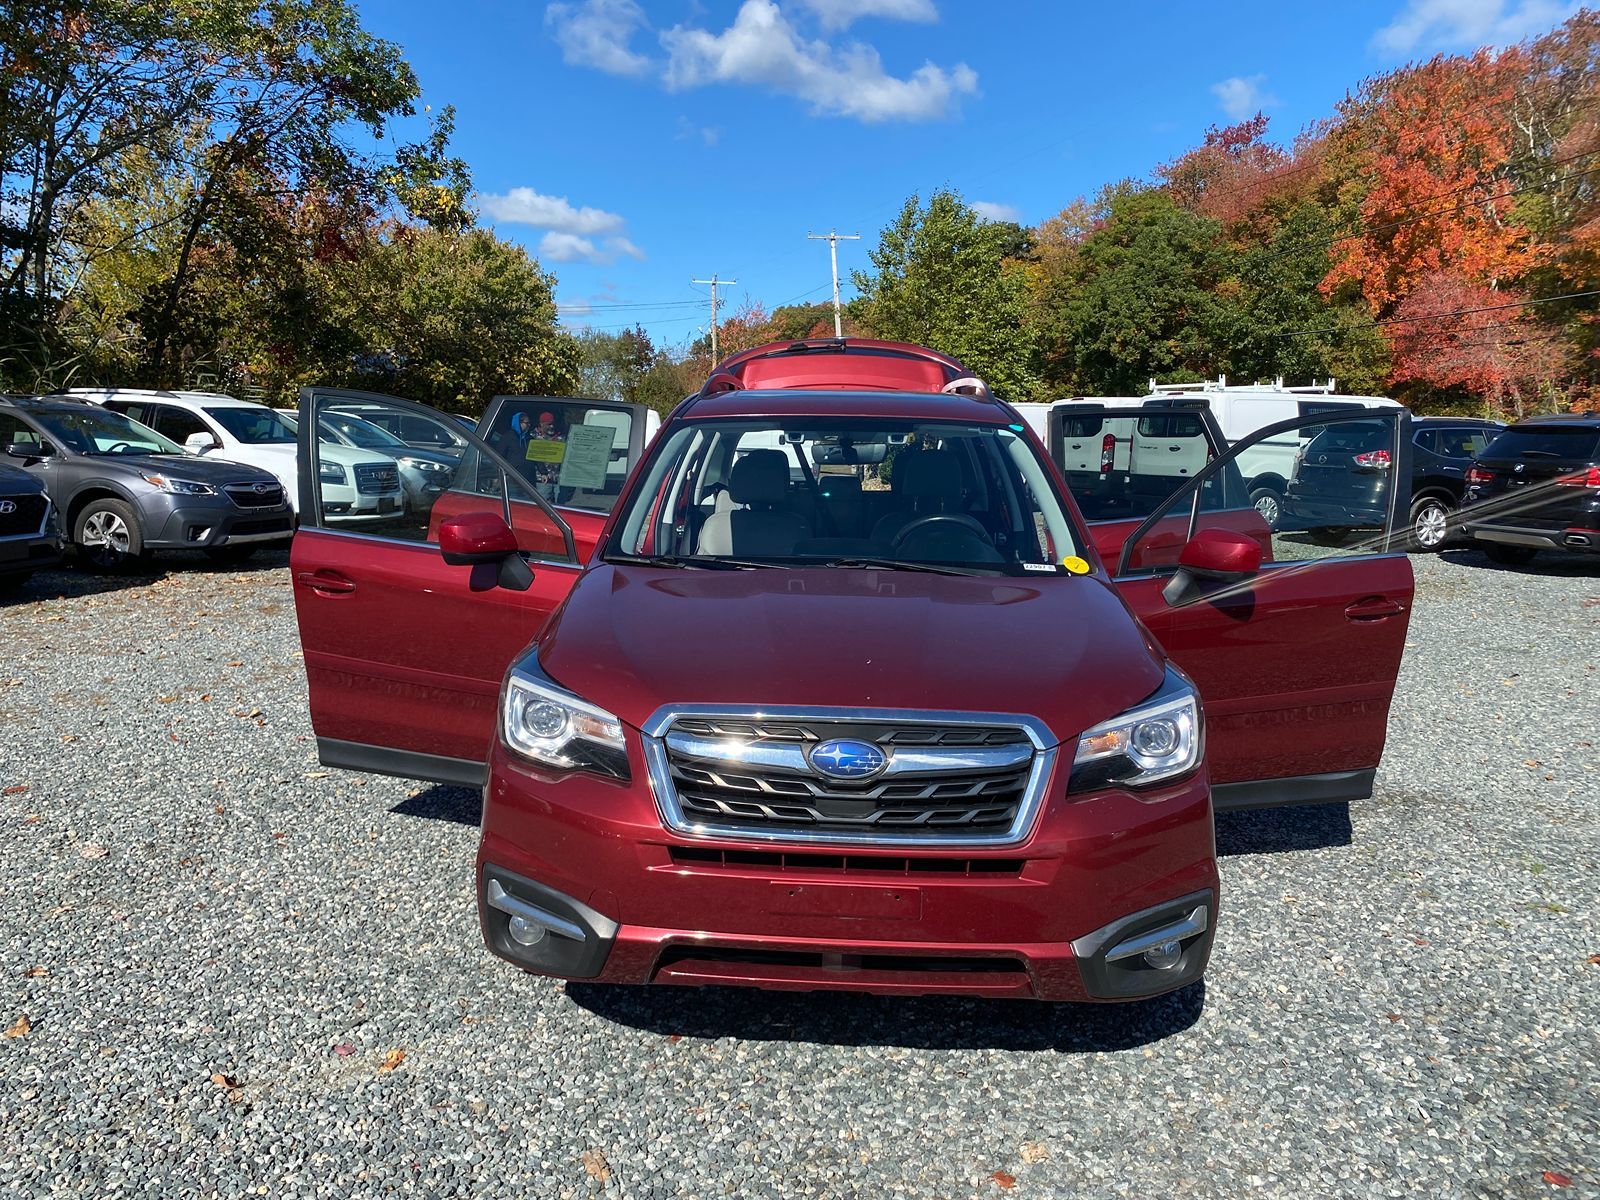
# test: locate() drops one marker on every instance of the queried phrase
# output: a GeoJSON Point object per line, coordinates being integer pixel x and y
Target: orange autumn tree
{"type": "Point", "coordinates": [1430, 146]}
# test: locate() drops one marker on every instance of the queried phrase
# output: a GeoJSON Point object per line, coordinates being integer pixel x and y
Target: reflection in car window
{"type": "Point", "coordinates": [96, 431]}
{"type": "Point", "coordinates": [536, 434]}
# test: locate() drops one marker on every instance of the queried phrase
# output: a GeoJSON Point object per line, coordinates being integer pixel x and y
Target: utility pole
{"type": "Point", "coordinates": [713, 281]}
{"type": "Point", "coordinates": [833, 239]}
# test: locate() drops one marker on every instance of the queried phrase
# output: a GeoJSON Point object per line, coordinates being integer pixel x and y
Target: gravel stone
{"type": "Point", "coordinates": [1399, 1002]}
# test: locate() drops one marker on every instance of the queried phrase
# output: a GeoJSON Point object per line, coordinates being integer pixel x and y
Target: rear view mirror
{"type": "Point", "coordinates": [199, 443]}
{"type": "Point", "coordinates": [478, 539]}
{"type": "Point", "coordinates": [30, 450]}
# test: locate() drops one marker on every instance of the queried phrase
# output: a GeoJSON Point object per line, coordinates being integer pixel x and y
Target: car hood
{"type": "Point", "coordinates": [443, 457]}
{"type": "Point", "coordinates": [14, 481]}
{"type": "Point", "coordinates": [182, 466]}
{"type": "Point", "coordinates": [1063, 649]}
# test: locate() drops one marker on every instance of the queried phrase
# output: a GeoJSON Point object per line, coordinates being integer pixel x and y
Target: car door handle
{"type": "Point", "coordinates": [1374, 608]}
{"type": "Point", "coordinates": [326, 582]}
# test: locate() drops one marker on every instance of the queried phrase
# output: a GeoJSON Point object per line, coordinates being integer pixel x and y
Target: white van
{"type": "Point", "coordinates": [1242, 409]}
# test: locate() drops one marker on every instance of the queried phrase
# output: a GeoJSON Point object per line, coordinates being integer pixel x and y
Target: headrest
{"type": "Point", "coordinates": [928, 475]}
{"type": "Point", "coordinates": [760, 477]}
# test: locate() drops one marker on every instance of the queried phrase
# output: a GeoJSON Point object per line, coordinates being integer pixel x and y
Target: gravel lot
{"type": "Point", "coordinates": [219, 947]}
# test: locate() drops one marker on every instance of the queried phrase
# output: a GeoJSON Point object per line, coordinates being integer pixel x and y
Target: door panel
{"type": "Point", "coordinates": [404, 653]}
{"type": "Point", "coordinates": [1296, 664]}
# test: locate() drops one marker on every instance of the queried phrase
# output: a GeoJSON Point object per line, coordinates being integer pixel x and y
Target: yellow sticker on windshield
{"type": "Point", "coordinates": [1076, 565]}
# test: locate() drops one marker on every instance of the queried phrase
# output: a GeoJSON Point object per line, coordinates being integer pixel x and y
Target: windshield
{"type": "Point", "coordinates": [101, 431]}
{"type": "Point", "coordinates": [1545, 441]}
{"type": "Point", "coordinates": [253, 426]}
{"type": "Point", "coordinates": [340, 428]}
{"type": "Point", "coordinates": [846, 492]}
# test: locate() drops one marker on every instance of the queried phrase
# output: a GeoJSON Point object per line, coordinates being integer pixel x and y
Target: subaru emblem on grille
{"type": "Point", "coordinates": [845, 759]}
{"type": "Point", "coordinates": [7, 506]}
{"type": "Point", "coordinates": [263, 488]}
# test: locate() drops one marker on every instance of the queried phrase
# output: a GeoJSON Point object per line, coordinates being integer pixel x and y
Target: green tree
{"type": "Point", "coordinates": [613, 365]}
{"type": "Point", "coordinates": [942, 278]}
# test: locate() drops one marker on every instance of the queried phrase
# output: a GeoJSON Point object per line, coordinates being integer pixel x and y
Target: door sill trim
{"type": "Point", "coordinates": [407, 764]}
{"type": "Point", "coordinates": [1330, 788]}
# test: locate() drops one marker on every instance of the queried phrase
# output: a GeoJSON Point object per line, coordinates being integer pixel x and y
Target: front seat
{"type": "Point", "coordinates": [760, 482]}
{"type": "Point", "coordinates": [928, 482]}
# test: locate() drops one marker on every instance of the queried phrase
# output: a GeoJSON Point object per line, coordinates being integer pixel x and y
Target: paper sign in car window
{"type": "Point", "coordinates": [541, 450]}
{"type": "Point", "coordinates": [588, 452]}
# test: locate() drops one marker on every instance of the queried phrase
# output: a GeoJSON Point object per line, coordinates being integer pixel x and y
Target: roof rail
{"type": "Point", "coordinates": [968, 385]}
{"type": "Point", "coordinates": [721, 381]}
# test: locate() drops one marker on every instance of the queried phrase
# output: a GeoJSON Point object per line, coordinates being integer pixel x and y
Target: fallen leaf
{"type": "Point", "coordinates": [1392, 1016]}
{"type": "Point", "coordinates": [595, 1163]}
{"type": "Point", "coordinates": [69, 737]}
{"type": "Point", "coordinates": [206, 697]}
{"type": "Point", "coordinates": [1005, 1179]}
{"type": "Point", "coordinates": [344, 1049]}
{"type": "Point", "coordinates": [1557, 1179]}
{"type": "Point", "coordinates": [224, 1081]}
{"type": "Point", "coordinates": [220, 810]}
{"type": "Point", "coordinates": [19, 1028]}
{"type": "Point", "coordinates": [36, 972]}
{"type": "Point", "coordinates": [93, 850]}
{"type": "Point", "coordinates": [233, 664]}
{"type": "Point", "coordinates": [165, 699]}
{"type": "Point", "coordinates": [16, 789]}
{"type": "Point", "coordinates": [392, 1060]}
{"type": "Point", "coordinates": [678, 1037]}
{"type": "Point", "coordinates": [1033, 1152]}
{"type": "Point", "coordinates": [1593, 960]}
{"type": "Point", "coordinates": [1419, 941]}
{"type": "Point", "coordinates": [318, 774]}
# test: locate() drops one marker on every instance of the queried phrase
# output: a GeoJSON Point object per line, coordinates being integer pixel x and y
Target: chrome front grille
{"type": "Point", "coordinates": [948, 778]}
{"type": "Point", "coordinates": [255, 495]}
{"type": "Point", "coordinates": [374, 479]}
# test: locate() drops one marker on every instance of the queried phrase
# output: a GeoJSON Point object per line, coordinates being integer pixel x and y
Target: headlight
{"type": "Point", "coordinates": [427, 466]}
{"type": "Point", "coordinates": [179, 487]}
{"type": "Point", "coordinates": [1160, 739]}
{"type": "Point", "coordinates": [330, 472]}
{"type": "Point", "coordinates": [554, 728]}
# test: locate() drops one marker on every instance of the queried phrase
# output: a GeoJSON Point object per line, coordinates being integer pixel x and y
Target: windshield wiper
{"type": "Point", "coordinates": [703, 562]}
{"type": "Point", "coordinates": [895, 564]}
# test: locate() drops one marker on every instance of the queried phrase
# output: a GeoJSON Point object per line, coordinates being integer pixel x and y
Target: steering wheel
{"type": "Point", "coordinates": [970, 524]}
{"type": "Point", "coordinates": [116, 448]}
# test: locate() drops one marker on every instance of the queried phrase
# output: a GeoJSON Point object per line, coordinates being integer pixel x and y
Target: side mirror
{"type": "Point", "coordinates": [483, 539]}
{"type": "Point", "coordinates": [30, 450]}
{"type": "Point", "coordinates": [199, 443]}
{"type": "Point", "coordinates": [1215, 556]}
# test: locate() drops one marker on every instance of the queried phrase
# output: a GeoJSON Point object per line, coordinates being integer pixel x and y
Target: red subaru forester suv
{"type": "Point", "coordinates": [830, 689]}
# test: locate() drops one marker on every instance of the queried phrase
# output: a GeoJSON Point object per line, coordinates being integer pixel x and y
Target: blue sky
{"type": "Point", "coordinates": [634, 145]}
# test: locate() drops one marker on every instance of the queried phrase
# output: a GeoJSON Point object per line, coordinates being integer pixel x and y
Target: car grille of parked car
{"type": "Point", "coordinates": [255, 495]}
{"type": "Point", "coordinates": [22, 516]}
{"type": "Point", "coordinates": [373, 479]}
{"type": "Point", "coordinates": [941, 782]}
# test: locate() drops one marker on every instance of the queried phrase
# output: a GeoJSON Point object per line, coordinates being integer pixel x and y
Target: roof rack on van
{"type": "Point", "coordinates": [1220, 384]}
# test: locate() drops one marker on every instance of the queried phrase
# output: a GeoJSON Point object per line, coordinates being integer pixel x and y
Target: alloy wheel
{"type": "Point", "coordinates": [1431, 525]}
{"type": "Point", "coordinates": [105, 538]}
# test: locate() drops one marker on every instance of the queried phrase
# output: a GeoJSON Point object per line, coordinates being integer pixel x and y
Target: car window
{"type": "Point", "coordinates": [540, 434]}
{"type": "Point", "coordinates": [14, 432]}
{"type": "Point", "coordinates": [179, 424]}
{"type": "Point", "coordinates": [357, 432]}
{"type": "Point", "coordinates": [1463, 443]}
{"type": "Point", "coordinates": [253, 426]}
{"type": "Point", "coordinates": [1119, 467]}
{"type": "Point", "coordinates": [94, 430]}
{"type": "Point", "coordinates": [1545, 441]}
{"type": "Point", "coordinates": [1427, 439]}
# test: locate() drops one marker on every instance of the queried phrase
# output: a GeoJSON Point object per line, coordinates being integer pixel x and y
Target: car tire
{"type": "Point", "coordinates": [1269, 503]}
{"type": "Point", "coordinates": [1430, 525]}
{"type": "Point", "coordinates": [1509, 556]}
{"type": "Point", "coordinates": [230, 554]}
{"type": "Point", "coordinates": [108, 536]}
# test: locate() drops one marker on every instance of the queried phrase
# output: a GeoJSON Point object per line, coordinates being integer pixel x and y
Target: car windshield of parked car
{"type": "Point", "coordinates": [846, 492]}
{"type": "Point", "coordinates": [254, 426]}
{"type": "Point", "coordinates": [100, 431]}
{"type": "Point", "coordinates": [356, 432]}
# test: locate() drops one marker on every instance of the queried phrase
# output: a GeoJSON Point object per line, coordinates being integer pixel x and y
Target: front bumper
{"type": "Point", "coordinates": [1045, 919]}
{"type": "Point", "coordinates": [189, 526]}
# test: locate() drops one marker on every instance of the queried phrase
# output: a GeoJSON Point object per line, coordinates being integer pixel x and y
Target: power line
{"type": "Point", "coordinates": [1460, 312]}
{"type": "Point", "coordinates": [714, 282]}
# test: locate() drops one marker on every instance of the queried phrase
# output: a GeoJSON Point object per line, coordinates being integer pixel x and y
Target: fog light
{"type": "Point", "coordinates": [524, 932]}
{"type": "Point", "coordinates": [1165, 956]}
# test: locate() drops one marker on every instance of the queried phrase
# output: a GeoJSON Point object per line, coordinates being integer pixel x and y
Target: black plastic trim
{"type": "Point", "coordinates": [554, 954]}
{"type": "Point", "coordinates": [1130, 979]}
{"type": "Point", "coordinates": [1298, 789]}
{"type": "Point", "coordinates": [407, 764]}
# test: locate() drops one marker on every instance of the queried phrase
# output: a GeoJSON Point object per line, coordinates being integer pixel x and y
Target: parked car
{"type": "Point", "coordinates": [425, 474]}
{"type": "Point", "coordinates": [1536, 487]}
{"type": "Point", "coordinates": [945, 749]}
{"type": "Point", "coordinates": [30, 528]}
{"type": "Point", "coordinates": [364, 485]}
{"type": "Point", "coordinates": [439, 431]}
{"type": "Point", "coordinates": [124, 490]}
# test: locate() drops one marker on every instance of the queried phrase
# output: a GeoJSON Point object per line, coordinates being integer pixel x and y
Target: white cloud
{"type": "Point", "coordinates": [990, 211]}
{"type": "Point", "coordinates": [557, 246]}
{"type": "Point", "coordinates": [688, 131]}
{"type": "Point", "coordinates": [762, 47]}
{"type": "Point", "coordinates": [1242, 96]}
{"type": "Point", "coordinates": [1458, 24]}
{"type": "Point", "coordinates": [597, 33]}
{"type": "Point", "coordinates": [841, 14]}
{"type": "Point", "coordinates": [524, 206]}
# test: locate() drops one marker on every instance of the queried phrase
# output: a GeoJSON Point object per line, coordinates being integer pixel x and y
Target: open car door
{"type": "Point", "coordinates": [574, 452]}
{"type": "Point", "coordinates": [1293, 635]}
{"type": "Point", "coordinates": [405, 651]}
